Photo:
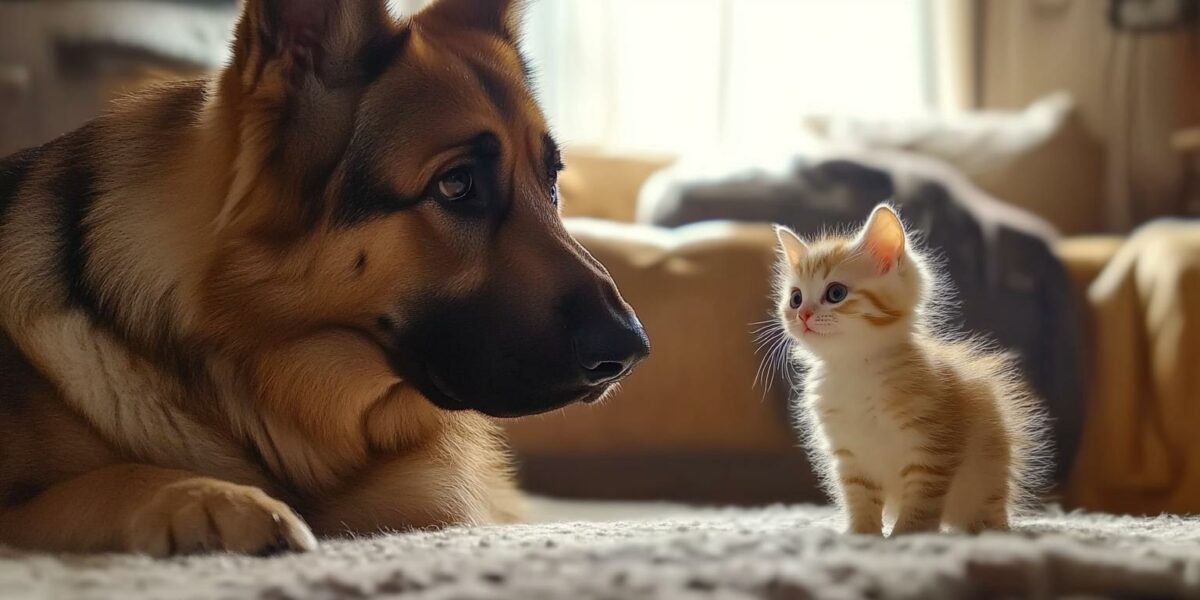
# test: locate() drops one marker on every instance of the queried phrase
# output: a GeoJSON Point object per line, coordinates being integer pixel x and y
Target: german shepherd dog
{"type": "Point", "coordinates": [284, 302]}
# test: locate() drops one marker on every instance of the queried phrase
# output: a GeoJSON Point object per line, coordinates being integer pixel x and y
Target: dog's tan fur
{"type": "Point", "coordinates": [214, 381]}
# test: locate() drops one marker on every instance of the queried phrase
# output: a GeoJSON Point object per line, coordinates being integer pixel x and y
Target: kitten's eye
{"type": "Point", "coordinates": [836, 292]}
{"type": "Point", "coordinates": [797, 299]}
{"type": "Point", "coordinates": [455, 185]}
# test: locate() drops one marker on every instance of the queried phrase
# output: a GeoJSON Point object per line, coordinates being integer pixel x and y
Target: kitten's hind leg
{"type": "Point", "coordinates": [862, 499]}
{"type": "Point", "coordinates": [992, 515]}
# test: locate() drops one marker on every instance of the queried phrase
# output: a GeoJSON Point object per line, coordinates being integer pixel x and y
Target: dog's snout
{"type": "Point", "coordinates": [607, 349]}
{"type": "Point", "coordinates": [606, 338]}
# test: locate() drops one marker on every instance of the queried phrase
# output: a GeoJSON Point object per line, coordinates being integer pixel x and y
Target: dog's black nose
{"type": "Point", "coordinates": [607, 350]}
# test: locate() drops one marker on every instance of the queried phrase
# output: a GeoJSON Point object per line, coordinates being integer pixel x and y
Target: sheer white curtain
{"type": "Point", "coordinates": [669, 75]}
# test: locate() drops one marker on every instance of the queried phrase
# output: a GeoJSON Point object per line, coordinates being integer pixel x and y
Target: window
{"type": "Point", "coordinates": [668, 75]}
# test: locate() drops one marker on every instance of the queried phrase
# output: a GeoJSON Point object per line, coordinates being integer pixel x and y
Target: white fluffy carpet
{"type": "Point", "coordinates": [663, 552]}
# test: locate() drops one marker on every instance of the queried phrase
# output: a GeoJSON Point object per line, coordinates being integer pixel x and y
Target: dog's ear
{"type": "Point", "coordinates": [499, 17]}
{"type": "Point", "coordinates": [299, 70]}
{"type": "Point", "coordinates": [335, 42]}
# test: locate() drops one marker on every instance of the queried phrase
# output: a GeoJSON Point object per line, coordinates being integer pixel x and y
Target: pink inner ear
{"type": "Point", "coordinates": [886, 256]}
{"type": "Point", "coordinates": [884, 240]}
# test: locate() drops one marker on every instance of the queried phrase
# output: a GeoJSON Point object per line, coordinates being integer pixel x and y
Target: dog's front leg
{"type": "Point", "coordinates": [156, 511]}
{"type": "Point", "coordinates": [425, 489]}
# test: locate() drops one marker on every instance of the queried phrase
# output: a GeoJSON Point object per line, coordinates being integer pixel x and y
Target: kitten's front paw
{"type": "Point", "coordinates": [204, 515]}
{"type": "Point", "coordinates": [902, 529]}
{"type": "Point", "coordinates": [864, 530]}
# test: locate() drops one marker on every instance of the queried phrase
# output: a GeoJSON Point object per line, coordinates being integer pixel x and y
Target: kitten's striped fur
{"type": "Point", "coordinates": [926, 427]}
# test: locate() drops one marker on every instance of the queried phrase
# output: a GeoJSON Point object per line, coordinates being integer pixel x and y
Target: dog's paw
{"type": "Point", "coordinates": [207, 516]}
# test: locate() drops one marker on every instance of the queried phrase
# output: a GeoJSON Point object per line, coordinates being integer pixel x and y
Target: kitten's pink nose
{"type": "Point", "coordinates": [805, 315]}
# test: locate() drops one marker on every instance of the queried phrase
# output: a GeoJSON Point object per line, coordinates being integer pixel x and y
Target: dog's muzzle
{"type": "Point", "coordinates": [496, 353]}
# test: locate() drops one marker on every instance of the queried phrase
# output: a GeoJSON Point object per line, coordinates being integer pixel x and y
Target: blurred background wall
{"type": "Point", "coordinates": [645, 76]}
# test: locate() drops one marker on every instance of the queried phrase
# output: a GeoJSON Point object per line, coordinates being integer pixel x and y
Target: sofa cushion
{"type": "Point", "coordinates": [604, 185]}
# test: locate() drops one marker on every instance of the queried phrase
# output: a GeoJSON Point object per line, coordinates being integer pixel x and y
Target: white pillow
{"type": "Point", "coordinates": [1040, 158]}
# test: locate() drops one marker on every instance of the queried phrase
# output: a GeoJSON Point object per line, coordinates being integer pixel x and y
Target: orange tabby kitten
{"type": "Point", "coordinates": [934, 429]}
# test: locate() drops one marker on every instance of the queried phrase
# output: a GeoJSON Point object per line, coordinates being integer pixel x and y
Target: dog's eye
{"type": "Point", "coordinates": [456, 185]}
{"type": "Point", "coordinates": [797, 299]}
{"type": "Point", "coordinates": [836, 292]}
{"type": "Point", "coordinates": [554, 171]}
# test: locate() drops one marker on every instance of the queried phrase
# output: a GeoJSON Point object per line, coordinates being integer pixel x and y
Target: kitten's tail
{"type": "Point", "coordinates": [1026, 423]}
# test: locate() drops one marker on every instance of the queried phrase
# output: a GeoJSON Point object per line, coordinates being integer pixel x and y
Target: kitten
{"type": "Point", "coordinates": [935, 429]}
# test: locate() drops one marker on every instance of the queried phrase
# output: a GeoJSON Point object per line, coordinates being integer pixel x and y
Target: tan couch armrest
{"type": "Point", "coordinates": [604, 185]}
{"type": "Point", "coordinates": [1086, 256]}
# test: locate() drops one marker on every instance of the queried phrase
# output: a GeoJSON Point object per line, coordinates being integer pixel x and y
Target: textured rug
{"type": "Point", "coordinates": [663, 552]}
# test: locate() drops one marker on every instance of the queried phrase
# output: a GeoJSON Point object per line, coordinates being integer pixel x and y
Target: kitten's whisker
{"type": "Point", "coordinates": [780, 358]}
{"type": "Point", "coordinates": [768, 365]}
{"type": "Point", "coordinates": [768, 342]}
{"type": "Point", "coordinates": [776, 350]}
{"type": "Point", "coordinates": [768, 335]}
{"type": "Point", "coordinates": [760, 373]}
{"type": "Point", "coordinates": [765, 329]}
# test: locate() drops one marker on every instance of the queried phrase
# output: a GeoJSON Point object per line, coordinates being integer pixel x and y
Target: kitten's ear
{"type": "Point", "coordinates": [883, 238]}
{"type": "Point", "coordinates": [794, 248]}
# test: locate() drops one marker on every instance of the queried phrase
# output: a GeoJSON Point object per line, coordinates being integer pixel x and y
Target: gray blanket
{"type": "Point", "coordinates": [1010, 284]}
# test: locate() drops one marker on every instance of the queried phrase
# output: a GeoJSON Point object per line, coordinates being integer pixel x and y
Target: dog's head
{"type": "Point", "coordinates": [396, 179]}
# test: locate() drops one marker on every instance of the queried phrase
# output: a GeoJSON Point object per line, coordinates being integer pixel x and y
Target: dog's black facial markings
{"type": "Point", "coordinates": [486, 145]}
{"type": "Point", "coordinates": [476, 353]}
{"type": "Point", "coordinates": [360, 264]}
{"type": "Point", "coordinates": [13, 172]}
{"type": "Point", "coordinates": [385, 324]}
{"type": "Point", "coordinates": [364, 196]}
